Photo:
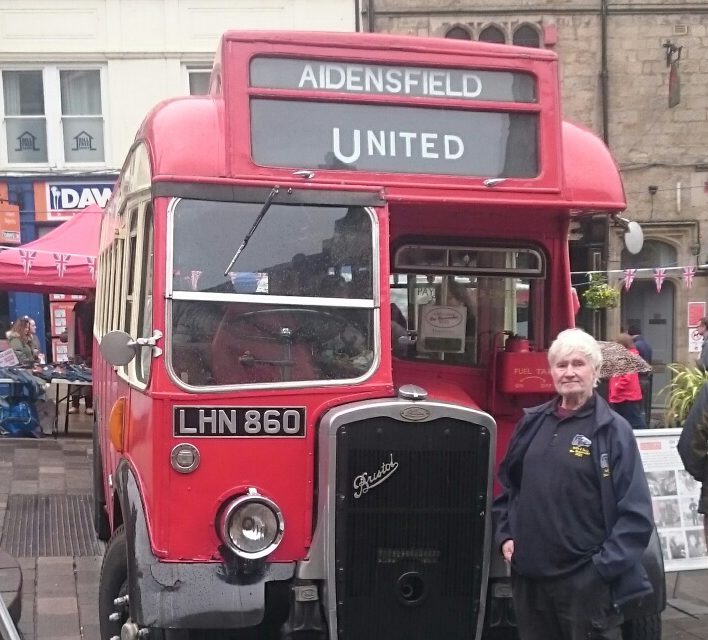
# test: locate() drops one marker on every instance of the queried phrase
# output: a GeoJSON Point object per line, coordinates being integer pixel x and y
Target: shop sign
{"type": "Point", "coordinates": [61, 200]}
{"type": "Point", "coordinates": [9, 223]}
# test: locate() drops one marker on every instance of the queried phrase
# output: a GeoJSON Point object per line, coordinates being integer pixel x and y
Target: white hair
{"type": "Point", "coordinates": [575, 340]}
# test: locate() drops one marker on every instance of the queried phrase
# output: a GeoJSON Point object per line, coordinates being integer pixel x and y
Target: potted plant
{"type": "Point", "coordinates": [599, 294]}
{"type": "Point", "coordinates": [681, 392]}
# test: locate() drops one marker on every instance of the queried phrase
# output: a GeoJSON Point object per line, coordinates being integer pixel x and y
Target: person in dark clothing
{"type": "Point", "coordinates": [640, 343]}
{"type": "Point", "coordinates": [645, 379]}
{"type": "Point", "coordinates": [693, 449]}
{"type": "Point", "coordinates": [574, 537]}
{"type": "Point", "coordinates": [83, 350]}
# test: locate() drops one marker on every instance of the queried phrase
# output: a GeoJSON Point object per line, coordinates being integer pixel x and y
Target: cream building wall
{"type": "Point", "coordinates": [143, 47]}
{"type": "Point", "coordinates": [655, 145]}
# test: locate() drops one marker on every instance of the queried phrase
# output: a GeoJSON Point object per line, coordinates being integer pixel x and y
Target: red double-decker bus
{"type": "Point", "coordinates": [325, 291]}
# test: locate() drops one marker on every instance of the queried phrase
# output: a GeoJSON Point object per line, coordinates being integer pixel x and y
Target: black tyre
{"type": "Point", "coordinates": [644, 628]}
{"type": "Point", "coordinates": [113, 583]}
{"type": "Point", "coordinates": [100, 517]}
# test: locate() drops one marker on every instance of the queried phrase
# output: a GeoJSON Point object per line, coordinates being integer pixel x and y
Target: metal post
{"type": "Point", "coordinates": [7, 626]}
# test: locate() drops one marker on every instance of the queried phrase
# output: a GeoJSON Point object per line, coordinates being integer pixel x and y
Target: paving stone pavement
{"type": "Point", "coordinates": [60, 594]}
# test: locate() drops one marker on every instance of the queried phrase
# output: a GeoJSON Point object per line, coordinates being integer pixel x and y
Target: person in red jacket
{"type": "Point", "coordinates": [625, 392]}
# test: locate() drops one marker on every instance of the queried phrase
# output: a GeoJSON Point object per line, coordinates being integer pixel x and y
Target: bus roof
{"type": "Point", "coordinates": [300, 79]}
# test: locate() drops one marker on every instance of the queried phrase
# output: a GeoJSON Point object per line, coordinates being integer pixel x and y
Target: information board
{"type": "Point", "coordinates": [674, 495]}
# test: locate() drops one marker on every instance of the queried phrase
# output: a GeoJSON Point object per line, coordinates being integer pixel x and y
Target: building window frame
{"type": "Point", "coordinates": [55, 118]}
{"type": "Point", "coordinates": [493, 27]}
{"type": "Point", "coordinates": [458, 31]}
{"type": "Point", "coordinates": [196, 69]}
{"type": "Point", "coordinates": [527, 27]}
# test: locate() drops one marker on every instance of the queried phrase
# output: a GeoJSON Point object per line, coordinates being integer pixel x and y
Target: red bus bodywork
{"type": "Point", "coordinates": [202, 149]}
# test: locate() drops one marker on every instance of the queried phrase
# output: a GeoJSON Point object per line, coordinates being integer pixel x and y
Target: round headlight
{"type": "Point", "coordinates": [252, 525]}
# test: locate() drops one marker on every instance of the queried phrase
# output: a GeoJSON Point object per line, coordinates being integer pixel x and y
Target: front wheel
{"type": "Point", "coordinates": [113, 584]}
{"type": "Point", "coordinates": [644, 628]}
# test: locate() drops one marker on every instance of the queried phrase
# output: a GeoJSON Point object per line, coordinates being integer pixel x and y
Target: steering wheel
{"type": "Point", "coordinates": [314, 324]}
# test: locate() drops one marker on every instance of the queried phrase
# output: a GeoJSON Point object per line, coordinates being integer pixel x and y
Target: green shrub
{"type": "Point", "coordinates": [599, 294]}
{"type": "Point", "coordinates": [682, 391]}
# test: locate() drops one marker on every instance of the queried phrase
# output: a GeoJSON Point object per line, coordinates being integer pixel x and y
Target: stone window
{"type": "Point", "coordinates": [654, 254]}
{"type": "Point", "coordinates": [492, 34]}
{"type": "Point", "coordinates": [458, 33]}
{"type": "Point", "coordinates": [527, 35]}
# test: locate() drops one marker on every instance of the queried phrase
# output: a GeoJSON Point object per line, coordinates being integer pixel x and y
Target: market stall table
{"type": "Point", "coordinates": [73, 386]}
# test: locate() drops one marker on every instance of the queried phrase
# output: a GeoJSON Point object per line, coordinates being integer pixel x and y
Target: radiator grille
{"type": "Point", "coordinates": [409, 548]}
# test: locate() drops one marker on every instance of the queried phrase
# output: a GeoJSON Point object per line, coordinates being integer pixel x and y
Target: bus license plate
{"type": "Point", "coordinates": [239, 422]}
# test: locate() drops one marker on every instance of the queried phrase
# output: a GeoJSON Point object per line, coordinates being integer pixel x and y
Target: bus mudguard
{"type": "Point", "coordinates": [186, 595]}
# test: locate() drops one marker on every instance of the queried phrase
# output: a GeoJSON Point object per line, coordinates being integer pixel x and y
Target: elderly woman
{"type": "Point", "coordinates": [574, 515]}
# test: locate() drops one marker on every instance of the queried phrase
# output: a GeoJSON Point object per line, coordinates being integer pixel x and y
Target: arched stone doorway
{"type": "Point", "coordinates": [652, 312]}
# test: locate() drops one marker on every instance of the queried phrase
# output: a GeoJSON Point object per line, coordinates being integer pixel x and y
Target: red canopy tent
{"type": "Point", "coordinates": [63, 261]}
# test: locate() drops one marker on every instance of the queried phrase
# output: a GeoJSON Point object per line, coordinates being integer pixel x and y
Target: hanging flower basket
{"type": "Point", "coordinates": [599, 294]}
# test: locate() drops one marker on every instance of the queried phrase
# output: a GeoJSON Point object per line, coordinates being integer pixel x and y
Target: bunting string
{"type": "Point", "coordinates": [627, 277]}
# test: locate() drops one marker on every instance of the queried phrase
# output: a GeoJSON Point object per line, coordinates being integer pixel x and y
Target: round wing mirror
{"type": "Point", "coordinates": [634, 237]}
{"type": "Point", "coordinates": [118, 348]}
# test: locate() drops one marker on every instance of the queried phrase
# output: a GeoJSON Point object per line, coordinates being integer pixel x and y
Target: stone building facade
{"type": "Point", "coordinates": [615, 60]}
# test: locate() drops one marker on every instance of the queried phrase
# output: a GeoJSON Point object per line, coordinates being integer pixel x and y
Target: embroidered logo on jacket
{"type": "Point", "coordinates": [580, 446]}
{"type": "Point", "coordinates": [605, 465]}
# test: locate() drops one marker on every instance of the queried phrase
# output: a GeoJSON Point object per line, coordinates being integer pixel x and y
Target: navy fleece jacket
{"type": "Point", "coordinates": [624, 495]}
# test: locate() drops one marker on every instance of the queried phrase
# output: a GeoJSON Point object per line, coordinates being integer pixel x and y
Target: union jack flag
{"type": "Point", "coordinates": [629, 276]}
{"type": "Point", "coordinates": [659, 277]}
{"type": "Point", "coordinates": [61, 261]}
{"type": "Point", "coordinates": [688, 273]}
{"type": "Point", "coordinates": [91, 262]}
{"type": "Point", "coordinates": [27, 258]}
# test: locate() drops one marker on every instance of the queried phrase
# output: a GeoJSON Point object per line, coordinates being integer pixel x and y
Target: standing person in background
{"type": "Point", "coordinates": [693, 449]}
{"type": "Point", "coordinates": [625, 392]}
{"type": "Point", "coordinates": [645, 379]}
{"type": "Point", "coordinates": [702, 361]}
{"type": "Point", "coordinates": [83, 349]}
{"type": "Point", "coordinates": [640, 343]}
{"type": "Point", "coordinates": [574, 537]}
{"type": "Point", "coordinates": [19, 338]}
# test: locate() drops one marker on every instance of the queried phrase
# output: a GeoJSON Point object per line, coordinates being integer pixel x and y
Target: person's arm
{"type": "Point", "coordinates": [504, 500]}
{"type": "Point", "coordinates": [630, 534]}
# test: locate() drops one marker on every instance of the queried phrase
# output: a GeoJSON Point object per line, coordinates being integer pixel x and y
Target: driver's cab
{"type": "Point", "coordinates": [295, 307]}
{"type": "Point", "coordinates": [452, 304]}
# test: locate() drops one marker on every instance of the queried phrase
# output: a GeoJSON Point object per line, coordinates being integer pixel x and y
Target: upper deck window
{"type": "Point", "coordinates": [296, 306]}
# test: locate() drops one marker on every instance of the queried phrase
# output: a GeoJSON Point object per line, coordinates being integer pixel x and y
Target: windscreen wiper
{"type": "Point", "coordinates": [266, 205]}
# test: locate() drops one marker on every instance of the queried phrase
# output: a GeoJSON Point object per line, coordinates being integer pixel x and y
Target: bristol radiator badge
{"type": "Point", "coordinates": [366, 481]}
